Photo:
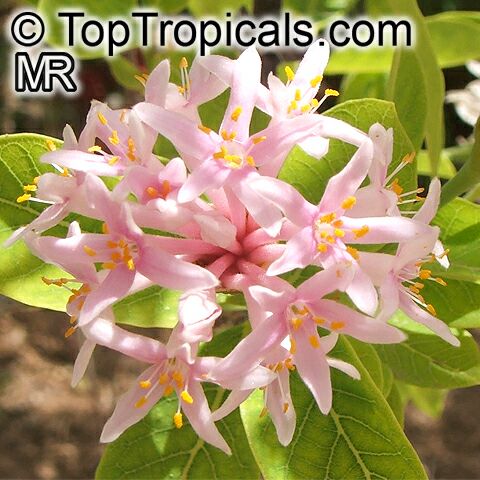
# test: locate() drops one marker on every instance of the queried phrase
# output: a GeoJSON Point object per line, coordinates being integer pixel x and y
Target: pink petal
{"type": "Point", "coordinates": [209, 175]}
{"type": "Point", "coordinates": [299, 253]}
{"type": "Point", "coordinates": [234, 400]}
{"type": "Point", "coordinates": [104, 332]}
{"type": "Point", "coordinates": [81, 362]}
{"type": "Point", "coordinates": [83, 162]}
{"type": "Point", "coordinates": [316, 147]}
{"type": "Point", "coordinates": [200, 418]}
{"type": "Point", "coordinates": [284, 421]}
{"type": "Point", "coordinates": [313, 64]}
{"type": "Point", "coordinates": [430, 206]}
{"type": "Point", "coordinates": [216, 229]}
{"type": "Point", "coordinates": [434, 324]}
{"type": "Point", "coordinates": [383, 150]}
{"type": "Point", "coordinates": [344, 367]}
{"type": "Point", "coordinates": [389, 298]}
{"type": "Point", "coordinates": [157, 82]}
{"type": "Point", "coordinates": [313, 368]}
{"type": "Point", "coordinates": [287, 198]}
{"type": "Point", "coordinates": [170, 272]}
{"type": "Point", "coordinates": [115, 287]}
{"type": "Point", "coordinates": [345, 183]}
{"type": "Point", "coordinates": [270, 300]}
{"type": "Point", "coordinates": [362, 292]}
{"type": "Point", "coordinates": [125, 413]}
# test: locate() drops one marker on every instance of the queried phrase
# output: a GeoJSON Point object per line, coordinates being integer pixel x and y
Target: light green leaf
{"type": "Point", "coordinates": [154, 448]}
{"type": "Point", "coordinates": [124, 71]}
{"type": "Point", "coordinates": [201, 8]}
{"type": "Point", "coordinates": [451, 34]}
{"type": "Point", "coordinates": [407, 81]}
{"type": "Point", "coordinates": [396, 403]}
{"type": "Point", "coordinates": [428, 400]}
{"type": "Point", "coordinates": [362, 85]}
{"type": "Point", "coordinates": [432, 74]}
{"type": "Point", "coordinates": [360, 438]}
{"type": "Point", "coordinates": [426, 360]}
{"type": "Point", "coordinates": [152, 307]}
{"type": "Point", "coordinates": [310, 176]}
{"type": "Point", "coordinates": [446, 168]}
{"type": "Point", "coordinates": [459, 222]}
{"type": "Point", "coordinates": [20, 271]}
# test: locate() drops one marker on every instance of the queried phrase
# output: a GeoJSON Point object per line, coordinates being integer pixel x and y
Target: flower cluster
{"type": "Point", "coordinates": [216, 219]}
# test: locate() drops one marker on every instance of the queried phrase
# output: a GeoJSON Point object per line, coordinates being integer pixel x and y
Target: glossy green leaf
{"type": "Point", "coordinates": [459, 222]}
{"type": "Point", "coordinates": [407, 81]}
{"type": "Point", "coordinates": [363, 85]}
{"type": "Point", "coordinates": [426, 360]}
{"type": "Point", "coordinates": [20, 271]}
{"type": "Point", "coordinates": [426, 61]}
{"type": "Point", "coordinates": [360, 438]}
{"type": "Point", "coordinates": [154, 448]}
{"type": "Point", "coordinates": [152, 307]}
{"type": "Point", "coordinates": [397, 404]}
{"type": "Point", "coordinates": [310, 176]}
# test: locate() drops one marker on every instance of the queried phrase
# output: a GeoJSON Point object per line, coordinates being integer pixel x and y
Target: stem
{"type": "Point", "coordinates": [468, 176]}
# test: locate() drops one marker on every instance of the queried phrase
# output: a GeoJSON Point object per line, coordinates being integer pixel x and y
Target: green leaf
{"type": "Point", "coordinates": [446, 168]}
{"type": "Point", "coordinates": [124, 71]}
{"type": "Point", "coordinates": [451, 34]}
{"type": "Point", "coordinates": [428, 400]}
{"type": "Point", "coordinates": [57, 27]}
{"type": "Point", "coordinates": [153, 307]}
{"type": "Point", "coordinates": [406, 82]}
{"type": "Point", "coordinates": [360, 438]}
{"type": "Point", "coordinates": [426, 360]}
{"type": "Point", "coordinates": [362, 85]}
{"type": "Point", "coordinates": [426, 62]}
{"type": "Point", "coordinates": [20, 271]}
{"type": "Point", "coordinates": [310, 176]}
{"type": "Point", "coordinates": [459, 222]}
{"type": "Point", "coordinates": [154, 448]}
{"type": "Point", "coordinates": [396, 403]}
{"type": "Point", "coordinates": [201, 8]}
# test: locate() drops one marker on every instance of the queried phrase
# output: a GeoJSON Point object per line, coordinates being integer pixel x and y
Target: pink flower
{"type": "Point", "coordinates": [124, 251]}
{"type": "Point", "coordinates": [174, 368]}
{"type": "Point", "coordinates": [296, 314]}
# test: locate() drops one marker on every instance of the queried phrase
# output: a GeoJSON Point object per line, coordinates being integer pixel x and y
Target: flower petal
{"type": "Point", "coordinates": [81, 362]}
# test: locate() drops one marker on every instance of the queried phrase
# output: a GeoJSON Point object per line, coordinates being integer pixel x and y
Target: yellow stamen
{"type": "Point", "coordinates": [257, 140]}
{"type": "Point", "coordinates": [152, 192]}
{"type": "Point", "coordinates": [293, 346]}
{"type": "Point", "coordinates": [314, 341]}
{"type": "Point", "coordinates": [236, 113]}
{"type": "Point", "coordinates": [441, 281]}
{"type": "Point", "coordinates": [51, 145]}
{"type": "Point", "coordinates": [186, 397]}
{"type": "Point", "coordinates": [250, 161]}
{"type": "Point", "coordinates": [114, 140]}
{"type": "Point", "coordinates": [24, 198]}
{"type": "Point", "coordinates": [353, 252]}
{"type": "Point", "coordinates": [395, 187]}
{"type": "Point", "coordinates": [183, 63]}
{"type": "Point", "coordinates": [131, 149]}
{"type": "Point", "coordinates": [130, 264]}
{"type": "Point", "coordinates": [339, 232]}
{"type": "Point", "coordinates": [113, 160]}
{"type": "Point", "coordinates": [109, 265]}
{"type": "Point", "coordinates": [285, 407]}
{"type": "Point", "coordinates": [314, 103]}
{"type": "Point", "coordinates": [145, 384]}
{"type": "Point", "coordinates": [89, 251]}
{"type": "Point", "coordinates": [178, 420]}
{"type": "Point", "coordinates": [431, 310]}
{"type": "Point", "coordinates": [289, 73]}
{"type": "Point", "coordinates": [70, 332]}
{"type": "Point", "coordinates": [328, 218]}
{"type": "Point", "coordinates": [29, 188]}
{"type": "Point", "coordinates": [205, 129]}
{"type": "Point", "coordinates": [306, 108]}
{"type": "Point", "coordinates": [296, 322]}
{"type": "Point", "coordinates": [166, 188]}
{"type": "Point", "coordinates": [408, 158]}
{"type": "Point", "coordinates": [141, 402]}
{"type": "Point", "coordinates": [293, 106]}
{"type": "Point", "coordinates": [168, 390]}
{"type": "Point", "coordinates": [361, 232]}
{"type": "Point", "coordinates": [319, 320]}
{"type": "Point", "coordinates": [140, 79]}
{"type": "Point", "coordinates": [322, 247]}
{"type": "Point", "coordinates": [337, 325]}
{"type": "Point", "coordinates": [102, 118]}
{"type": "Point", "coordinates": [95, 149]}
{"type": "Point", "coordinates": [298, 95]}
{"type": "Point", "coordinates": [105, 229]}
{"type": "Point", "coordinates": [424, 274]}
{"type": "Point", "coordinates": [330, 92]}
{"type": "Point", "coordinates": [163, 379]}
{"type": "Point", "coordinates": [178, 377]}
{"type": "Point", "coordinates": [349, 203]}
{"type": "Point", "coordinates": [315, 81]}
